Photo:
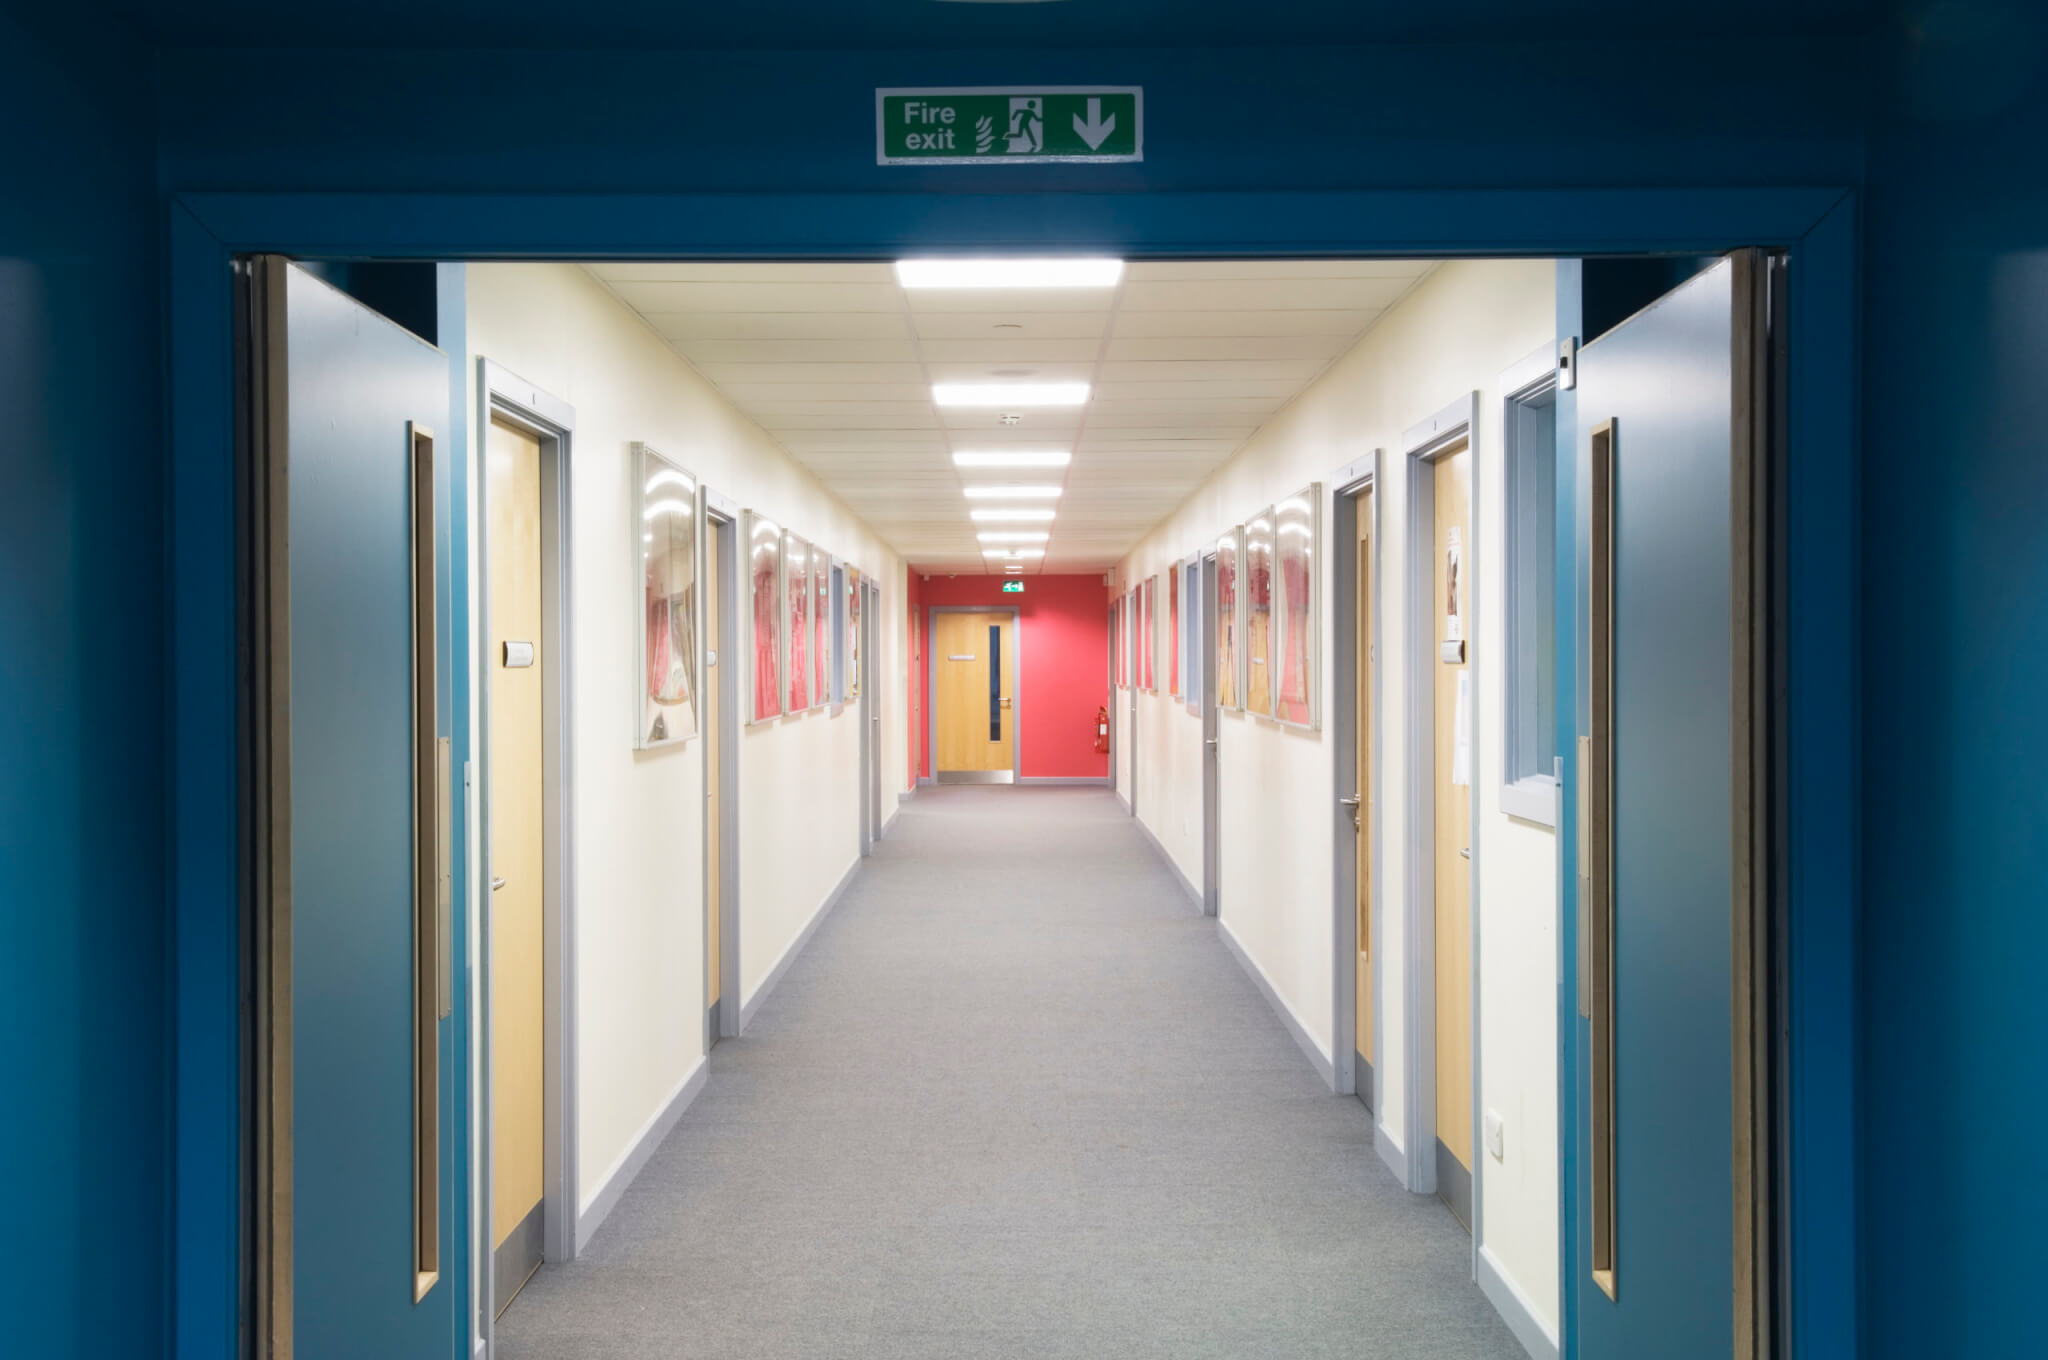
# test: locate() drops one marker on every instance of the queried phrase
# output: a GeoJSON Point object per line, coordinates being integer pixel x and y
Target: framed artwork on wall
{"type": "Point", "coordinates": [854, 660]}
{"type": "Point", "coordinates": [1148, 634]}
{"type": "Point", "coordinates": [1297, 550]}
{"type": "Point", "coordinates": [665, 509]}
{"type": "Point", "coordinates": [764, 597]}
{"type": "Point", "coordinates": [1258, 613]}
{"type": "Point", "coordinates": [1227, 625]}
{"type": "Point", "coordinates": [821, 628]}
{"type": "Point", "coordinates": [1134, 626]}
{"type": "Point", "coordinates": [796, 585]}
{"type": "Point", "coordinates": [1173, 631]}
{"type": "Point", "coordinates": [1119, 636]}
{"type": "Point", "coordinates": [1191, 634]}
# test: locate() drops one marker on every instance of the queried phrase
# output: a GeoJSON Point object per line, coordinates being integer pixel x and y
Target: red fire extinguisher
{"type": "Point", "coordinates": [1102, 730]}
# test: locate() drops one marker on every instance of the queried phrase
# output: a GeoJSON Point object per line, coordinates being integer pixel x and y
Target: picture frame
{"type": "Point", "coordinates": [1173, 646]}
{"type": "Point", "coordinates": [1191, 633]}
{"type": "Point", "coordinates": [854, 658]}
{"type": "Point", "coordinates": [666, 511]}
{"type": "Point", "coordinates": [1148, 633]}
{"type": "Point", "coordinates": [1257, 592]}
{"type": "Point", "coordinates": [764, 616]}
{"type": "Point", "coordinates": [1227, 620]}
{"type": "Point", "coordinates": [821, 627]}
{"type": "Point", "coordinates": [796, 623]}
{"type": "Point", "coordinates": [1297, 641]}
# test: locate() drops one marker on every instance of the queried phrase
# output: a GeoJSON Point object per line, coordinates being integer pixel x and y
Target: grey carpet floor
{"type": "Point", "coordinates": [1015, 1099]}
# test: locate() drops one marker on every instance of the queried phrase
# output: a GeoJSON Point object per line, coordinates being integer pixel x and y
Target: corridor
{"type": "Point", "coordinates": [1015, 1098]}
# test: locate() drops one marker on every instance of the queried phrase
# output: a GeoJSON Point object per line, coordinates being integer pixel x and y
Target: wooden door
{"type": "Point", "coordinates": [1362, 1038]}
{"type": "Point", "coordinates": [714, 697]}
{"type": "Point", "coordinates": [1455, 701]}
{"type": "Point", "coordinates": [518, 660]}
{"type": "Point", "coordinates": [975, 701]}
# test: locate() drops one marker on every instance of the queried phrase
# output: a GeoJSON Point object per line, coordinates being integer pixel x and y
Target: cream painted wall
{"type": "Point", "coordinates": [637, 817]}
{"type": "Point", "coordinates": [1457, 331]}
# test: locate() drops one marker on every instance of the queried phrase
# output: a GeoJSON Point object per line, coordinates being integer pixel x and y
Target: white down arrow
{"type": "Point", "coordinates": [1097, 129]}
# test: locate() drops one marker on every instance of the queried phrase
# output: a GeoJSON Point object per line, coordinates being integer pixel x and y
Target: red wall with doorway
{"type": "Point", "coordinates": [1064, 642]}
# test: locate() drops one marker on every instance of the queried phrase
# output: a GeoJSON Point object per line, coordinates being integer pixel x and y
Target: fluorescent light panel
{"type": "Point", "coordinates": [1016, 272]}
{"type": "Point", "coordinates": [1012, 493]}
{"type": "Point", "coordinates": [1011, 394]}
{"type": "Point", "coordinates": [1013, 536]}
{"type": "Point", "coordinates": [1024, 516]}
{"type": "Point", "coordinates": [1014, 458]}
{"type": "Point", "coordinates": [1013, 554]}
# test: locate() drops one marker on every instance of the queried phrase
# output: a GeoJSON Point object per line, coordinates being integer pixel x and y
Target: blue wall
{"type": "Point", "coordinates": [1941, 113]}
{"type": "Point", "coordinates": [1955, 696]}
{"type": "Point", "coordinates": [82, 1058]}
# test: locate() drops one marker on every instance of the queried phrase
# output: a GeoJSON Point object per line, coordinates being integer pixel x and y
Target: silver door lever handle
{"type": "Point", "coordinates": [1352, 801]}
{"type": "Point", "coordinates": [497, 883]}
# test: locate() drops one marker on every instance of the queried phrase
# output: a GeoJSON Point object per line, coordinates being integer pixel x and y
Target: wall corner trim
{"type": "Point", "coordinates": [905, 796]}
{"type": "Point", "coordinates": [1324, 1068]}
{"type": "Point", "coordinates": [1390, 1152]}
{"type": "Point", "coordinates": [1537, 1337]}
{"type": "Point", "coordinates": [750, 1007]}
{"type": "Point", "coordinates": [613, 1184]}
{"type": "Point", "coordinates": [1194, 894]}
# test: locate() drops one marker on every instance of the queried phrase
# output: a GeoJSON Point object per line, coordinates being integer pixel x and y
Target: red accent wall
{"type": "Point", "coordinates": [1064, 622]}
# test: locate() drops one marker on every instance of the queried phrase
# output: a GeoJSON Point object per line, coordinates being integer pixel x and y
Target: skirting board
{"type": "Point", "coordinates": [1515, 1309]}
{"type": "Point", "coordinates": [906, 795]}
{"type": "Point", "coordinates": [1124, 801]}
{"type": "Point", "coordinates": [1390, 1153]}
{"type": "Point", "coordinates": [796, 946]}
{"type": "Point", "coordinates": [1100, 781]}
{"type": "Point", "coordinates": [1323, 1066]}
{"type": "Point", "coordinates": [1194, 893]}
{"type": "Point", "coordinates": [638, 1153]}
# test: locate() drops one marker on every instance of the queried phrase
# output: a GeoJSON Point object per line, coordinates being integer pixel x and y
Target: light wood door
{"type": "Point", "coordinates": [518, 862]}
{"type": "Point", "coordinates": [1362, 725]}
{"type": "Point", "coordinates": [1455, 689]}
{"type": "Point", "coordinates": [714, 698]}
{"type": "Point", "coordinates": [975, 705]}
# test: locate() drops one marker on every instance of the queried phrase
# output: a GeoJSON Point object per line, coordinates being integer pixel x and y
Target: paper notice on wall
{"type": "Point", "coordinates": [1454, 562]}
{"type": "Point", "coordinates": [1461, 732]}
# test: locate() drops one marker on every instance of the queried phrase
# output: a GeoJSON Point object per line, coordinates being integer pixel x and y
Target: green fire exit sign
{"type": "Point", "coordinates": [985, 125]}
{"type": "Point", "coordinates": [1013, 587]}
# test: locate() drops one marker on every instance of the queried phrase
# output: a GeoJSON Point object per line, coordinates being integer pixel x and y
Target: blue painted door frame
{"type": "Point", "coordinates": [1818, 226]}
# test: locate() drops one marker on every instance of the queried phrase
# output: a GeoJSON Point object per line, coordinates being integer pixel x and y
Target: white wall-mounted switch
{"type": "Point", "coordinates": [1496, 1134]}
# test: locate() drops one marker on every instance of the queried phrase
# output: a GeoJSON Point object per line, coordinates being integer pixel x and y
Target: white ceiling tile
{"type": "Point", "coordinates": [770, 396]}
{"type": "Point", "coordinates": [1151, 348]}
{"type": "Point", "coordinates": [1212, 295]}
{"type": "Point", "coordinates": [1150, 271]}
{"type": "Point", "coordinates": [726, 296]}
{"type": "Point", "coordinates": [1010, 325]}
{"type": "Point", "coordinates": [1340, 326]}
{"type": "Point", "coordinates": [1006, 353]}
{"type": "Point", "coordinates": [981, 301]}
{"type": "Point", "coordinates": [718, 271]}
{"type": "Point", "coordinates": [779, 325]}
{"type": "Point", "coordinates": [727, 375]}
{"type": "Point", "coordinates": [797, 351]}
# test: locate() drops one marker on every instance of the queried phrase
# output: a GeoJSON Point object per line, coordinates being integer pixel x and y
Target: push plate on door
{"type": "Point", "coordinates": [519, 654]}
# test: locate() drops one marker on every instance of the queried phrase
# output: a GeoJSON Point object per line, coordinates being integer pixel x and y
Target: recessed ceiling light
{"type": "Point", "coordinates": [1009, 273]}
{"type": "Point", "coordinates": [1010, 394]}
{"type": "Point", "coordinates": [1028, 515]}
{"type": "Point", "coordinates": [1014, 554]}
{"type": "Point", "coordinates": [1014, 536]}
{"type": "Point", "coordinates": [1011, 493]}
{"type": "Point", "coordinates": [1014, 458]}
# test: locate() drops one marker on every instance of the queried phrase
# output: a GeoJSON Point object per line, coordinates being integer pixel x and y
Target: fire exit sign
{"type": "Point", "coordinates": [984, 125]}
{"type": "Point", "coordinates": [1013, 587]}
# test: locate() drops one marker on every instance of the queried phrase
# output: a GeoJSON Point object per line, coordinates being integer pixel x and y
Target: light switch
{"type": "Point", "coordinates": [1496, 1134]}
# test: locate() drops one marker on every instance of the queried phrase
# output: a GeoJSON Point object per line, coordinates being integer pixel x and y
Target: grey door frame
{"type": "Point", "coordinates": [1454, 428]}
{"type": "Point", "coordinates": [871, 627]}
{"type": "Point", "coordinates": [1212, 751]}
{"type": "Point", "coordinates": [502, 395]}
{"type": "Point", "coordinates": [1352, 481]}
{"type": "Point", "coordinates": [931, 675]}
{"type": "Point", "coordinates": [727, 513]}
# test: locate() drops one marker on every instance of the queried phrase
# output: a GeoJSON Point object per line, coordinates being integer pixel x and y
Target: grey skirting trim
{"type": "Point", "coordinates": [1194, 893]}
{"type": "Point", "coordinates": [1324, 1068]}
{"type": "Point", "coordinates": [1100, 781]}
{"type": "Point", "coordinates": [796, 947]}
{"type": "Point", "coordinates": [1515, 1309]}
{"type": "Point", "coordinates": [639, 1153]}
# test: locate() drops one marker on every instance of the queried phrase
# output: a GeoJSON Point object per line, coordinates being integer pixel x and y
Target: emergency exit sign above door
{"type": "Point", "coordinates": [987, 125]}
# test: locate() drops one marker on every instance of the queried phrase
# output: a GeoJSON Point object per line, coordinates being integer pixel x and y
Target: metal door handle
{"type": "Point", "coordinates": [1466, 852]}
{"type": "Point", "coordinates": [497, 883]}
{"type": "Point", "coordinates": [1208, 741]}
{"type": "Point", "coordinates": [1352, 801]}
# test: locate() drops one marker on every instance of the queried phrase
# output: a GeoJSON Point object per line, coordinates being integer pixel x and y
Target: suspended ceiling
{"type": "Point", "coordinates": [1186, 361]}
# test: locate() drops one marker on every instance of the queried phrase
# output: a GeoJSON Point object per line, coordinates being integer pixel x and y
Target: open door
{"type": "Point", "coordinates": [358, 1163]}
{"type": "Point", "coordinates": [1672, 797]}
